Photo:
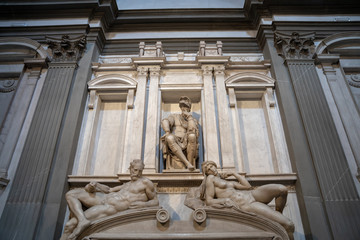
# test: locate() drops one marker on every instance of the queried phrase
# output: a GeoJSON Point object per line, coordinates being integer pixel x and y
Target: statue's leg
{"type": "Point", "coordinates": [268, 192]}
{"type": "Point", "coordinates": [69, 228]}
{"type": "Point", "coordinates": [73, 199]}
{"type": "Point", "coordinates": [266, 211]}
{"type": "Point", "coordinates": [176, 149]}
{"type": "Point", "coordinates": [93, 213]}
{"type": "Point", "coordinates": [191, 148]}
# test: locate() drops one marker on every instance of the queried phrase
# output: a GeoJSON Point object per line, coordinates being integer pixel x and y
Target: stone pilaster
{"type": "Point", "coordinates": [336, 184]}
{"type": "Point", "coordinates": [211, 145]}
{"type": "Point", "coordinates": [151, 157]}
{"type": "Point", "coordinates": [227, 155]}
{"type": "Point", "coordinates": [344, 102]}
{"type": "Point", "coordinates": [17, 113]}
{"type": "Point", "coordinates": [25, 201]}
{"type": "Point", "coordinates": [136, 136]}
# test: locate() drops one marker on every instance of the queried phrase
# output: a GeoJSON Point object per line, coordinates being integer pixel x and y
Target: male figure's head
{"type": "Point", "coordinates": [209, 168]}
{"type": "Point", "coordinates": [136, 168]}
{"type": "Point", "coordinates": [185, 104]}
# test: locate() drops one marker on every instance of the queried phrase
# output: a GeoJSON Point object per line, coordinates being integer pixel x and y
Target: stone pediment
{"type": "Point", "coordinates": [207, 223]}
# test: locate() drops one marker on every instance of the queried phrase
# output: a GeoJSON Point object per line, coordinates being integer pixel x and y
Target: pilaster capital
{"type": "Point", "coordinates": [142, 71]}
{"type": "Point", "coordinates": [207, 70]}
{"type": "Point", "coordinates": [219, 70]}
{"type": "Point", "coordinates": [67, 49]}
{"type": "Point", "coordinates": [154, 70]}
{"type": "Point", "coordinates": [295, 45]}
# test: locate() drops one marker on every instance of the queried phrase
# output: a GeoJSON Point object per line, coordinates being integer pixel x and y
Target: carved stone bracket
{"type": "Point", "coordinates": [67, 49]}
{"type": "Point", "coordinates": [295, 46]}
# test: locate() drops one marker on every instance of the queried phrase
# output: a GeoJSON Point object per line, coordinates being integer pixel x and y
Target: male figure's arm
{"type": "Point", "coordinates": [151, 195]}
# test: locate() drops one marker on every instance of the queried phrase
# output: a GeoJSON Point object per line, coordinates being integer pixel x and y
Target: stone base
{"type": "Point", "coordinates": [180, 171]}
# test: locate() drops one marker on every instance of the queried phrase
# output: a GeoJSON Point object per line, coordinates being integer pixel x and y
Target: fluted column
{"type": "Point", "coordinates": [336, 184]}
{"type": "Point", "coordinates": [151, 159]}
{"type": "Point", "coordinates": [227, 154]}
{"type": "Point", "coordinates": [211, 145]}
{"type": "Point", "coordinates": [25, 199]}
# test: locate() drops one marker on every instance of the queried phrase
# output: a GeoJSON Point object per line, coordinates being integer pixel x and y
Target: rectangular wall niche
{"type": "Point", "coordinates": [170, 105]}
{"type": "Point", "coordinates": [102, 139]}
{"type": "Point", "coordinates": [261, 138]}
{"type": "Point", "coordinates": [254, 135]}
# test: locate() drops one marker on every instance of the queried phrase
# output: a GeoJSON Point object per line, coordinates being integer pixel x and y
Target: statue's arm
{"type": "Point", "coordinates": [151, 195]}
{"type": "Point", "coordinates": [167, 123]}
{"type": "Point", "coordinates": [116, 189]}
{"type": "Point", "coordinates": [242, 183]}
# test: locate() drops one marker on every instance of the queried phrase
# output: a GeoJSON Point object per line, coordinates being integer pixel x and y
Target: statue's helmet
{"type": "Point", "coordinates": [185, 101]}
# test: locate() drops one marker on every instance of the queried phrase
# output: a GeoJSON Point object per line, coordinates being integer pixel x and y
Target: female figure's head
{"type": "Point", "coordinates": [209, 168]}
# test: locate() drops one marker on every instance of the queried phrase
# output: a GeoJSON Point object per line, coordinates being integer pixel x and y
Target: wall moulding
{"type": "Point", "coordinates": [182, 179]}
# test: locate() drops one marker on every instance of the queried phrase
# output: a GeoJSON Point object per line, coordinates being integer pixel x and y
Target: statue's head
{"type": "Point", "coordinates": [209, 168]}
{"type": "Point", "coordinates": [136, 168]}
{"type": "Point", "coordinates": [185, 101]}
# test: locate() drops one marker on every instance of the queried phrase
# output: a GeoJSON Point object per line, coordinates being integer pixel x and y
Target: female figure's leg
{"type": "Point", "coordinates": [267, 193]}
{"type": "Point", "coordinates": [266, 211]}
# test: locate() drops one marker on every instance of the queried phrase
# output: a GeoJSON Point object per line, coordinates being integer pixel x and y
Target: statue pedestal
{"type": "Point", "coordinates": [180, 171]}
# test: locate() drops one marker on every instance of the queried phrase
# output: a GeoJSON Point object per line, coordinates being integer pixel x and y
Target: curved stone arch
{"type": "Point", "coordinates": [250, 79]}
{"type": "Point", "coordinates": [339, 38]}
{"type": "Point", "coordinates": [25, 42]}
{"type": "Point", "coordinates": [112, 81]}
{"type": "Point", "coordinates": [219, 224]}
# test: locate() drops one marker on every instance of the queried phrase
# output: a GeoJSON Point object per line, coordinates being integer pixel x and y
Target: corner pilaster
{"type": "Point", "coordinates": [41, 143]}
{"type": "Point", "coordinates": [336, 184]}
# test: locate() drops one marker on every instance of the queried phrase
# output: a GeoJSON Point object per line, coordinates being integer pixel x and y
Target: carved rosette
{"type": "Point", "coordinates": [162, 216]}
{"type": "Point", "coordinates": [67, 49]}
{"type": "Point", "coordinates": [7, 85]}
{"type": "Point", "coordinates": [354, 80]}
{"type": "Point", "coordinates": [295, 46]}
{"type": "Point", "coordinates": [199, 215]}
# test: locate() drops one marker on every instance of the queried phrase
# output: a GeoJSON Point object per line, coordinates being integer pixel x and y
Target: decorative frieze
{"type": "Point", "coordinates": [67, 49]}
{"type": "Point", "coordinates": [295, 46]}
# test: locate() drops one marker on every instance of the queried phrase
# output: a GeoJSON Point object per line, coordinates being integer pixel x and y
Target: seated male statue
{"type": "Point", "coordinates": [180, 142]}
{"type": "Point", "coordinates": [103, 201]}
{"type": "Point", "coordinates": [220, 193]}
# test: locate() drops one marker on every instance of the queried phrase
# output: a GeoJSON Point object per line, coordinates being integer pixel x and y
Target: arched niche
{"type": "Point", "coordinates": [339, 58]}
{"type": "Point", "coordinates": [259, 138]}
{"type": "Point", "coordinates": [21, 63]}
{"type": "Point", "coordinates": [347, 43]}
{"type": "Point", "coordinates": [103, 136]}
